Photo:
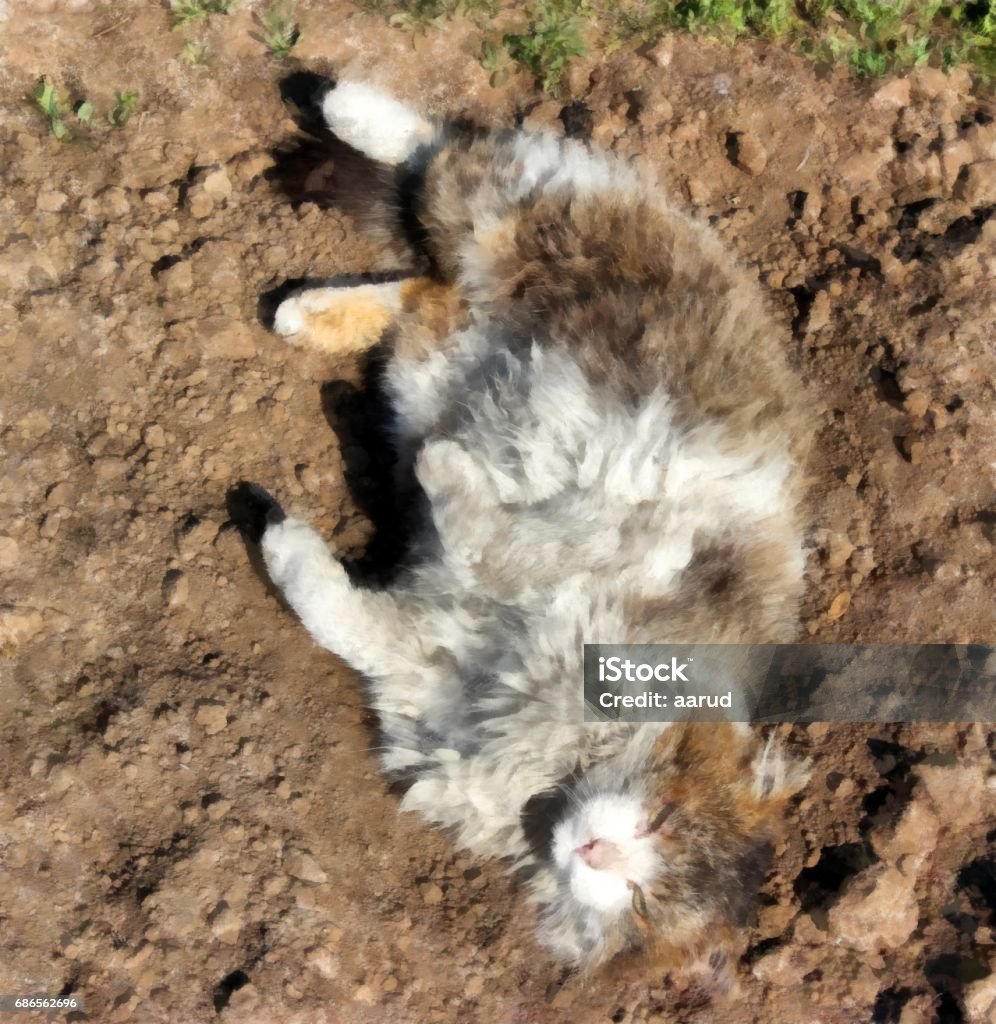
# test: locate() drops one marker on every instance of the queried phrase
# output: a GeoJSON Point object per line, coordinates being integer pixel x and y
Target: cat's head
{"type": "Point", "coordinates": [660, 851]}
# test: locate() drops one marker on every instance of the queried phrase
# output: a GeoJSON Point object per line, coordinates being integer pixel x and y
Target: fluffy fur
{"type": "Point", "coordinates": [598, 410]}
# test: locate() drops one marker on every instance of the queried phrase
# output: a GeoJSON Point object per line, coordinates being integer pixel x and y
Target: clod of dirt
{"type": "Point", "coordinates": [877, 911]}
{"type": "Point", "coordinates": [304, 867]}
{"type": "Point", "coordinates": [746, 152]}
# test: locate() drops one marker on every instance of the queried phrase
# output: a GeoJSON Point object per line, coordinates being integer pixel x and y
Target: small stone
{"type": "Point", "coordinates": [212, 718]}
{"type": "Point", "coordinates": [154, 436]}
{"type": "Point", "coordinates": [980, 1000]}
{"type": "Point", "coordinates": [747, 153]}
{"type": "Point", "coordinates": [916, 403]}
{"type": "Point", "coordinates": [431, 893]}
{"type": "Point", "coordinates": [178, 279]}
{"type": "Point", "coordinates": [839, 550]}
{"type": "Point", "coordinates": [61, 495]}
{"type": "Point", "coordinates": [893, 94]}
{"type": "Point", "coordinates": [474, 986]}
{"type": "Point", "coordinates": [18, 624]}
{"type": "Point", "coordinates": [109, 468]}
{"type": "Point", "coordinates": [853, 478]}
{"type": "Point", "coordinates": [217, 185]}
{"type": "Point", "coordinates": [225, 924]}
{"type": "Point", "coordinates": [364, 994]}
{"type": "Point", "coordinates": [913, 449]}
{"type": "Point", "coordinates": [698, 192]}
{"type": "Point", "coordinates": [176, 588]}
{"type": "Point", "coordinates": [978, 187]}
{"type": "Point", "coordinates": [9, 551]}
{"type": "Point", "coordinates": [201, 204]}
{"type": "Point", "coordinates": [839, 605]}
{"type": "Point", "coordinates": [304, 867]}
{"type": "Point", "coordinates": [878, 910]}
{"type": "Point", "coordinates": [244, 998]}
{"type": "Point", "coordinates": [217, 809]}
{"type": "Point", "coordinates": [321, 960]}
{"type": "Point", "coordinates": [51, 201]}
{"type": "Point", "coordinates": [819, 312]}
{"type": "Point", "coordinates": [390, 984]}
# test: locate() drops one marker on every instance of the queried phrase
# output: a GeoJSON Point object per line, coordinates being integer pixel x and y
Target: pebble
{"type": "Point", "coordinates": [879, 909]}
{"type": "Point", "coordinates": [916, 403]}
{"type": "Point", "coordinates": [61, 494]}
{"type": "Point", "coordinates": [217, 809]}
{"type": "Point", "coordinates": [9, 552]}
{"type": "Point", "coordinates": [225, 924]}
{"type": "Point", "coordinates": [978, 188]}
{"type": "Point", "coordinates": [839, 550]}
{"type": "Point", "coordinates": [894, 94]}
{"type": "Point", "coordinates": [17, 625]}
{"type": "Point", "coordinates": [431, 893]}
{"type": "Point", "coordinates": [51, 201]}
{"type": "Point", "coordinates": [839, 605]}
{"type": "Point", "coordinates": [819, 312]}
{"type": "Point", "coordinates": [747, 153]}
{"type": "Point", "coordinates": [213, 718]}
{"type": "Point", "coordinates": [217, 185]}
{"type": "Point", "coordinates": [304, 867]}
{"type": "Point", "coordinates": [154, 436]}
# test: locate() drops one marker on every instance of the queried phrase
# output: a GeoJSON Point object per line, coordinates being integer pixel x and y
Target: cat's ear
{"type": "Point", "coordinates": [776, 775]}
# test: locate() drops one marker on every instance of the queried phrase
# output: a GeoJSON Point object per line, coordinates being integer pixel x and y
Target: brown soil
{"type": "Point", "coordinates": [192, 826]}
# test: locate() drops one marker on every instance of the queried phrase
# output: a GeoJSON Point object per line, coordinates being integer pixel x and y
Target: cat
{"type": "Point", "coordinates": [609, 440]}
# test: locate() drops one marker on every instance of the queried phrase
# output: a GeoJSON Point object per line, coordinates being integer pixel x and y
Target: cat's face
{"type": "Point", "coordinates": [605, 851]}
{"type": "Point", "coordinates": [670, 855]}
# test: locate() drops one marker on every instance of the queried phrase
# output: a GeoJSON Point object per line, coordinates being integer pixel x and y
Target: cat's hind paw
{"type": "Point", "coordinates": [337, 320]}
{"type": "Point", "coordinates": [252, 509]}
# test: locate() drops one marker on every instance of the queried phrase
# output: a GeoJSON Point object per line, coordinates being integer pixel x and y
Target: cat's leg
{"type": "Point", "coordinates": [370, 630]}
{"type": "Point", "coordinates": [339, 319]}
{"type": "Point", "coordinates": [375, 123]}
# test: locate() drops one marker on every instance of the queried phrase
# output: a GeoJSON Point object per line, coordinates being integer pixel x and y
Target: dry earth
{"type": "Point", "coordinates": [192, 826]}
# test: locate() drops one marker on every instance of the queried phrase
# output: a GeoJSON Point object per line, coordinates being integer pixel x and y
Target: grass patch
{"type": "Point", "coordinates": [553, 37]}
{"type": "Point", "coordinates": [871, 37]}
{"type": "Point", "coordinates": [53, 108]}
{"type": "Point", "coordinates": [125, 105]}
{"type": "Point", "coordinates": [418, 16]}
{"type": "Point", "coordinates": [280, 31]}
{"type": "Point", "coordinates": [63, 119]}
{"type": "Point", "coordinates": [186, 11]}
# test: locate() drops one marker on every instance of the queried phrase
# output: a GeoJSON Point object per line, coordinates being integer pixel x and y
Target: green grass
{"type": "Point", "coordinates": [186, 11]}
{"type": "Point", "coordinates": [418, 16]}
{"type": "Point", "coordinates": [554, 35]}
{"type": "Point", "coordinates": [871, 37]}
{"type": "Point", "coordinates": [55, 108]}
{"type": "Point", "coordinates": [280, 31]}
{"type": "Point", "coordinates": [125, 104]}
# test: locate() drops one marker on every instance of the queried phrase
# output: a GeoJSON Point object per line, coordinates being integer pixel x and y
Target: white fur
{"type": "Point", "coordinates": [552, 164]}
{"type": "Point", "coordinates": [615, 819]}
{"type": "Point", "coordinates": [375, 123]}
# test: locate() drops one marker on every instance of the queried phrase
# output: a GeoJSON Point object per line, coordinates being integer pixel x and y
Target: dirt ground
{"type": "Point", "coordinates": [192, 826]}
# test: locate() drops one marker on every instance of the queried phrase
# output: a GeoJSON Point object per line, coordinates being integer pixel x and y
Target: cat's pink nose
{"type": "Point", "coordinates": [597, 854]}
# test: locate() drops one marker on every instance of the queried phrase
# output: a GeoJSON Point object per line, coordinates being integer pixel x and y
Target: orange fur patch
{"type": "Point", "coordinates": [350, 325]}
{"type": "Point", "coordinates": [432, 311]}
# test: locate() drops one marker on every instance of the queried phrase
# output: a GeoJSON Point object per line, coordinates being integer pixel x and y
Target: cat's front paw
{"type": "Point", "coordinates": [252, 509]}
